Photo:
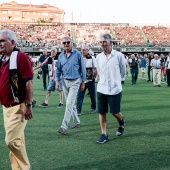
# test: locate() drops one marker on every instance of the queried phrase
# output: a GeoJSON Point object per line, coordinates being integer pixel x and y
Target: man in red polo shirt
{"type": "Point", "coordinates": [16, 97]}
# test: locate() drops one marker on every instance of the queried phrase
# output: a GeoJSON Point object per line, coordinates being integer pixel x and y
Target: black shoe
{"type": "Point", "coordinates": [120, 131]}
{"type": "Point", "coordinates": [92, 111]}
{"type": "Point", "coordinates": [103, 139]}
{"type": "Point", "coordinates": [79, 113]}
{"type": "Point", "coordinates": [159, 85]}
{"type": "Point", "coordinates": [33, 103]}
{"type": "Point", "coordinates": [43, 105]}
{"type": "Point", "coordinates": [60, 105]}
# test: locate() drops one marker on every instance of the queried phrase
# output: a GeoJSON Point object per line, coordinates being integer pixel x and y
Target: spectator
{"type": "Point", "coordinates": [143, 66]}
{"type": "Point", "coordinates": [156, 67]}
{"type": "Point", "coordinates": [52, 62]}
{"type": "Point", "coordinates": [90, 64]}
{"type": "Point", "coordinates": [44, 68]}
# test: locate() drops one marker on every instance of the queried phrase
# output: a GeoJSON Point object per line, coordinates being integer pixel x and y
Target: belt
{"type": "Point", "coordinates": [10, 105]}
{"type": "Point", "coordinates": [70, 79]}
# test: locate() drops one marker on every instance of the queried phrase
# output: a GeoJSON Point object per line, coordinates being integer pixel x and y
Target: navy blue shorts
{"type": "Point", "coordinates": [113, 101]}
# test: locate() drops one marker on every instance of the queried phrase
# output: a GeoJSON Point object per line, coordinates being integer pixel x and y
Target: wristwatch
{"type": "Point", "coordinates": [28, 104]}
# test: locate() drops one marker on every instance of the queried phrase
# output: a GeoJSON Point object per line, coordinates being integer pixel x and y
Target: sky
{"type": "Point", "coordinates": [110, 11]}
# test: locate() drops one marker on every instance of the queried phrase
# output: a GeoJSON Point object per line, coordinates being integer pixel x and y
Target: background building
{"type": "Point", "coordinates": [13, 13]}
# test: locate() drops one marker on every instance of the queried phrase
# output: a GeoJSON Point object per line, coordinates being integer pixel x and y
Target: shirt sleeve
{"type": "Point", "coordinates": [58, 70]}
{"type": "Point", "coordinates": [94, 61]}
{"type": "Point", "coordinates": [25, 67]}
{"type": "Point", "coordinates": [82, 68]}
{"type": "Point", "coordinates": [122, 66]}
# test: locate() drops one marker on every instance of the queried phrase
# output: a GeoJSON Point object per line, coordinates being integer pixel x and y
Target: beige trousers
{"type": "Point", "coordinates": [15, 140]}
{"type": "Point", "coordinates": [156, 77]}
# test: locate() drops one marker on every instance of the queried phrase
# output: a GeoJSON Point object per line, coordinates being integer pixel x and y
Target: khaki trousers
{"type": "Point", "coordinates": [15, 140]}
{"type": "Point", "coordinates": [70, 89]}
{"type": "Point", "coordinates": [156, 77]}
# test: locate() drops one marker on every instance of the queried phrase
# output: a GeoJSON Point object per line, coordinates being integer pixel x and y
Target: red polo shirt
{"type": "Point", "coordinates": [25, 73]}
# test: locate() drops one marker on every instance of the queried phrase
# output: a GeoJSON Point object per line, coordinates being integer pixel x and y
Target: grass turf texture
{"type": "Point", "coordinates": [143, 146]}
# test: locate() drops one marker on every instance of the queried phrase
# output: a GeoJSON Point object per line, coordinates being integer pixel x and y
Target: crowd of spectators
{"type": "Point", "coordinates": [129, 36]}
{"type": "Point", "coordinates": [157, 35]}
{"type": "Point", "coordinates": [48, 35]}
{"type": "Point", "coordinates": [89, 33]}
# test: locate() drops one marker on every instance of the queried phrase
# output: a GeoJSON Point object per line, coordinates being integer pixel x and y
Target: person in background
{"type": "Point", "coordinates": [143, 66]}
{"type": "Point", "coordinates": [163, 72]}
{"type": "Point", "coordinates": [150, 57]}
{"type": "Point", "coordinates": [111, 68]}
{"type": "Point", "coordinates": [52, 62]}
{"type": "Point", "coordinates": [71, 66]}
{"type": "Point", "coordinates": [156, 68]}
{"type": "Point", "coordinates": [16, 97]}
{"type": "Point", "coordinates": [91, 73]}
{"type": "Point", "coordinates": [133, 64]}
{"type": "Point", "coordinates": [167, 67]}
{"type": "Point", "coordinates": [44, 68]}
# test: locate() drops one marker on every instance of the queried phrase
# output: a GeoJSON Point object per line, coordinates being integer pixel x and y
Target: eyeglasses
{"type": "Point", "coordinates": [102, 42]}
{"type": "Point", "coordinates": [2, 40]}
{"type": "Point", "coordinates": [68, 42]}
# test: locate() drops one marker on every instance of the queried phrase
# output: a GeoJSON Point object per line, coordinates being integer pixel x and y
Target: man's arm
{"type": "Point", "coordinates": [94, 66]}
{"type": "Point", "coordinates": [28, 100]}
{"type": "Point", "coordinates": [41, 64]}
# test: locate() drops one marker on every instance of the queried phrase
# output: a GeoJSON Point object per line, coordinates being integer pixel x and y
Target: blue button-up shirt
{"type": "Point", "coordinates": [71, 67]}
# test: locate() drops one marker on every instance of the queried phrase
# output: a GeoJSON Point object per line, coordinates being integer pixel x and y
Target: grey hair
{"type": "Point", "coordinates": [84, 46]}
{"type": "Point", "coordinates": [10, 35]}
{"type": "Point", "coordinates": [54, 48]}
{"type": "Point", "coordinates": [45, 50]}
{"type": "Point", "coordinates": [67, 37]}
{"type": "Point", "coordinates": [107, 36]}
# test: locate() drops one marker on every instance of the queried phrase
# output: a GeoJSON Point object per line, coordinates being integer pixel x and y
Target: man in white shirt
{"type": "Point", "coordinates": [156, 68]}
{"type": "Point", "coordinates": [111, 69]}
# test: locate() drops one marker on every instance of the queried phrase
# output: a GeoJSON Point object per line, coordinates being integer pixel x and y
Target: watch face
{"type": "Point", "coordinates": [28, 104]}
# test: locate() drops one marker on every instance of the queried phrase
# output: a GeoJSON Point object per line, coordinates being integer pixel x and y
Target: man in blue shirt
{"type": "Point", "coordinates": [143, 66]}
{"type": "Point", "coordinates": [71, 66]}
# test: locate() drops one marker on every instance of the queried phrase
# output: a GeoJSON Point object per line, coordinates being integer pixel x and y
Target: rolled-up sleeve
{"type": "Point", "coordinates": [58, 70]}
{"type": "Point", "coordinates": [122, 66]}
{"type": "Point", "coordinates": [82, 68]}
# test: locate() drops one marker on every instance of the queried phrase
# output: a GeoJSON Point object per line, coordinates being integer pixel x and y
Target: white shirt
{"type": "Point", "coordinates": [111, 70]}
{"type": "Point", "coordinates": [156, 63]}
{"type": "Point", "coordinates": [90, 63]}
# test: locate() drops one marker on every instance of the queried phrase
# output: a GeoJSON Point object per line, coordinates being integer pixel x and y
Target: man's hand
{"type": "Point", "coordinates": [27, 114]}
{"type": "Point", "coordinates": [82, 86]}
{"type": "Point", "coordinates": [95, 73]}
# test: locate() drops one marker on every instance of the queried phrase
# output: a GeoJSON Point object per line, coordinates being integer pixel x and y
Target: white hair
{"type": "Point", "coordinates": [10, 35]}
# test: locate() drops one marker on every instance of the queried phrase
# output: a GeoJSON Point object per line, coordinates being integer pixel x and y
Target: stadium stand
{"type": "Point", "coordinates": [45, 36]}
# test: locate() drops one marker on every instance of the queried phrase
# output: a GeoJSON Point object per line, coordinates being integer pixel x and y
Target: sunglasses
{"type": "Point", "coordinates": [2, 40]}
{"type": "Point", "coordinates": [68, 42]}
